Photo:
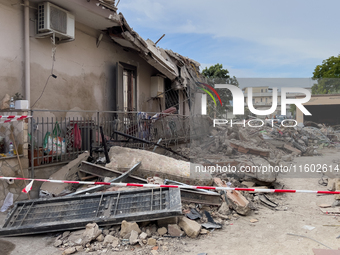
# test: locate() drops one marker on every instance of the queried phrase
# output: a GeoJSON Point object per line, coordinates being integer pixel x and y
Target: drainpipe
{"type": "Point", "coordinates": [27, 52]}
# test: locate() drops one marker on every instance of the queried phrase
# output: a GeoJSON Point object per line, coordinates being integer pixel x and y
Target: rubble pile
{"type": "Point", "coordinates": [276, 144]}
{"type": "Point", "coordinates": [157, 236]}
{"type": "Point", "coordinates": [132, 218]}
{"type": "Point", "coordinates": [167, 235]}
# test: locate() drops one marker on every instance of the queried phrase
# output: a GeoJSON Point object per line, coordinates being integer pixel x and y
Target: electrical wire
{"type": "Point", "coordinates": [51, 75]}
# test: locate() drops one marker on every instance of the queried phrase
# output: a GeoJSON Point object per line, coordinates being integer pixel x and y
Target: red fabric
{"type": "Point", "coordinates": [76, 137]}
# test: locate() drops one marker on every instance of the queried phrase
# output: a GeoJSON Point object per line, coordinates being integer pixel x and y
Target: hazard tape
{"type": "Point", "coordinates": [5, 119]}
{"type": "Point", "coordinates": [173, 186]}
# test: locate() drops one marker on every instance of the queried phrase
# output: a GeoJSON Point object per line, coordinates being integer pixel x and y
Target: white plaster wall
{"type": "Point", "coordinates": [85, 73]}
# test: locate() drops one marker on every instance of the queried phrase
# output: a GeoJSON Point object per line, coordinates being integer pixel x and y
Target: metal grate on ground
{"type": "Point", "coordinates": [109, 208]}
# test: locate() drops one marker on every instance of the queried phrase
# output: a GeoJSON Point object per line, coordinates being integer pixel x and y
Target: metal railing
{"type": "Point", "coordinates": [55, 138]}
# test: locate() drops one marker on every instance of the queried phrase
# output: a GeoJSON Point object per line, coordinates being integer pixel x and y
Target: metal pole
{"type": "Point", "coordinates": [32, 147]}
{"type": "Point", "coordinates": [27, 52]}
{"type": "Point", "coordinates": [98, 130]}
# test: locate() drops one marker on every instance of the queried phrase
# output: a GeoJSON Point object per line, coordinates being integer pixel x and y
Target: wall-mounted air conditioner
{"type": "Point", "coordinates": [157, 86]}
{"type": "Point", "coordinates": [53, 19]}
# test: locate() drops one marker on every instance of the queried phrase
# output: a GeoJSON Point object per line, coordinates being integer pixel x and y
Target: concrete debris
{"type": "Point", "coordinates": [57, 243]}
{"type": "Point", "coordinates": [91, 233]}
{"type": "Point", "coordinates": [162, 231]}
{"type": "Point", "coordinates": [227, 146]}
{"type": "Point", "coordinates": [110, 240]}
{"type": "Point", "coordinates": [100, 238]}
{"type": "Point", "coordinates": [143, 236]}
{"type": "Point", "coordinates": [127, 227]}
{"type": "Point", "coordinates": [154, 164]}
{"type": "Point", "coordinates": [204, 231]}
{"type": "Point", "coordinates": [76, 238]}
{"type": "Point", "coordinates": [190, 227]}
{"type": "Point", "coordinates": [239, 203]}
{"type": "Point", "coordinates": [175, 230]}
{"type": "Point", "coordinates": [224, 209]}
{"type": "Point", "coordinates": [245, 147]}
{"type": "Point", "coordinates": [152, 242]}
{"type": "Point", "coordinates": [133, 237]}
{"type": "Point", "coordinates": [70, 250]}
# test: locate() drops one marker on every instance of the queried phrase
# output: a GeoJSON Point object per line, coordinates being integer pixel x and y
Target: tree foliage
{"type": "Point", "coordinates": [327, 75]}
{"type": "Point", "coordinates": [216, 71]}
{"type": "Point", "coordinates": [217, 75]}
{"type": "Point", "coordinates": [292, 109]}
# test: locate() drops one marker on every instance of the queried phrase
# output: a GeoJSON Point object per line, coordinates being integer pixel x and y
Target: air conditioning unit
{"type": "Point", "coordinates": [53, 19]}
{"type": "Point", "coordinates": [157, 86]}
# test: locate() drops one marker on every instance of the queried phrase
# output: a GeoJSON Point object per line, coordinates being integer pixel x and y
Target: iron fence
{"type": "Point", "coordinates": [56, 138]}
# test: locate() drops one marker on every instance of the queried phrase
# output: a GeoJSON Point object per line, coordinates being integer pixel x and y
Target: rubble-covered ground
{"type": "Point", "coordinates": [272, 223]}
{"type": "Point", "coordinates": [297, 214]}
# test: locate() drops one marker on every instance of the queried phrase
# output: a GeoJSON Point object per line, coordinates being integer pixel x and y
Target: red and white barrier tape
{"type": "Point", "coordinates": [5, 119]}
{"type": "Point", "coordinates": [173, 186]}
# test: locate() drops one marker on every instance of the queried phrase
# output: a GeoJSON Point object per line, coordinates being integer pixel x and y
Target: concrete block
{"type": "Point", "coordinates": [190, 227]}
{"type": "Point", "coordinates": [127, 227]}
{"type": "Point", "coordinates": [175, 230]}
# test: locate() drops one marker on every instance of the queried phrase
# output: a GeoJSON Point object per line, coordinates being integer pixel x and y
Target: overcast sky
{"type": "Point", "coordinates": [263, 38]}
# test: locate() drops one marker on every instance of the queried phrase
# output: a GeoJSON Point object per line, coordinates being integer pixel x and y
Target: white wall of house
{"type": "Point", "coordinates": [85, 73]}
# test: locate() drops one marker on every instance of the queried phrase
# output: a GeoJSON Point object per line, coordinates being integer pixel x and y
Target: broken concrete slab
{"type": "Point", "coordinates": [49, 189]}
{"type": "Point", "coordinates": [153, 164]}
{"type": "Point", "coordinates": [239, 203]}
{"type": "Point", "coordinates": [190, 227]}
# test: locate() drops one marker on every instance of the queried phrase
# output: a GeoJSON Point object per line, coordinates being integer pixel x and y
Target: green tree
{"type": "Point", "coordinates": [215, 71]}
{"type": "Point", "coordinates": [217, 75]}
{"type": "Point", "coordinates": [292, 109]}
{"type": "Point", "coordinates": [327, 75]}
